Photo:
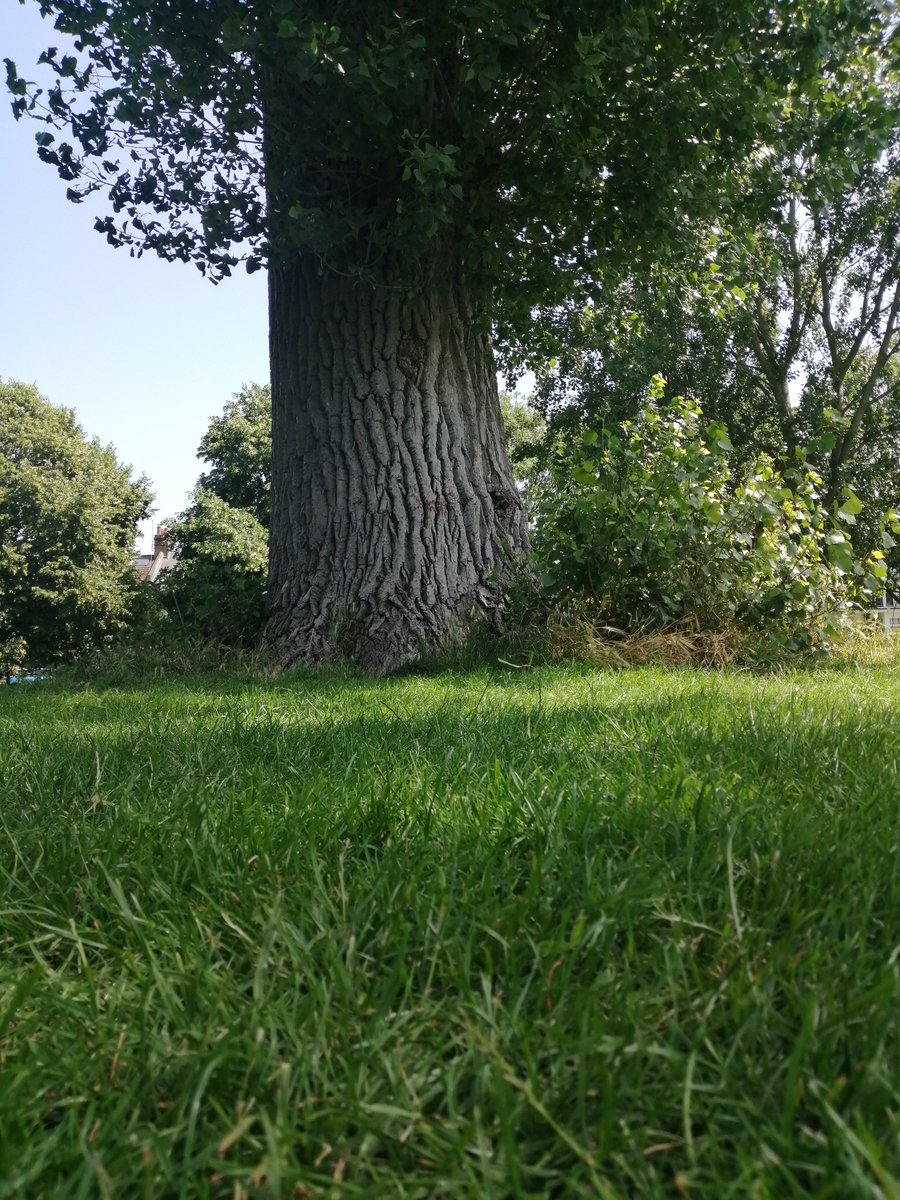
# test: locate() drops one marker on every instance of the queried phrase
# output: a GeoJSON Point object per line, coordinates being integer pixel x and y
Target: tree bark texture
{"type": "Point", "coordinates": [395, 517]}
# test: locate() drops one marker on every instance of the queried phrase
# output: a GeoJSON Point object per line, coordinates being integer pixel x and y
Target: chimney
{"type": "Point", "coordinates": [161, 543]}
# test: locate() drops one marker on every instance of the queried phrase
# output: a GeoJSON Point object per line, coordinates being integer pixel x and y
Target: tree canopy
{"type": "Point", "coordinates": [538, 137]}
{"type": "Point", "coordinates": [216, 590]}
{"type": "Point", "coordinates": [68, 521]}
{"type": "Point", "coordinates": [786, 326]}
{"type": "Point", "coordinates": [237, 447]}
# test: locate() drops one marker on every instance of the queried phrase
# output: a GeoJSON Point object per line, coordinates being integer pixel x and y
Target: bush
{"type": "Point", "coordinates": [216, 591]}
{"type": "Point", "coordinates": [648, 523]}
{"type": "Point", "coordinates": [156, 645]}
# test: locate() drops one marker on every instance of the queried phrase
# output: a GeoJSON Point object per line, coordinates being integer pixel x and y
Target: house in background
{"type": "Point", "coordinates": [163, 558]}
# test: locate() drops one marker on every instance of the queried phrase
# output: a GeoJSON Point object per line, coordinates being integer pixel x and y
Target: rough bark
{"type": "Point", "coordinates": [395, 517]}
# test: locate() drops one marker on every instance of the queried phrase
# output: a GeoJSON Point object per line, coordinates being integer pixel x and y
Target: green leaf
{"type": "Point", "coordinates": [850, 502]}
{"type": "Point", "coordinates": [841, 556]}
{"type": "Point", "coordinates": [718, 434]}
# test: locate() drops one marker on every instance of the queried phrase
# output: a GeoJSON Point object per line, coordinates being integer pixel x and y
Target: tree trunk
{"type": "Point", "coordinates": [395, 518]}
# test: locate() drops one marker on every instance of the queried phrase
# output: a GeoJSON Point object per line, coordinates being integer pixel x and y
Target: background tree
{"type": "Point", "coordinates": [826, 314]}
{"type": "Point", "coordinates": [785, 328]}
{"type": "Point", "coordinates": [525, 430]}
{"type": "Point", "coordinates": [216, 591]}
{"type": "Point", "coordinates": [595, 358]}
{"type": "Point", "coordinates": [68, 520]}
{"type": "Point", "coordinates": [238, 448]}
{"type": "Point", "coordinates": [410, 179]}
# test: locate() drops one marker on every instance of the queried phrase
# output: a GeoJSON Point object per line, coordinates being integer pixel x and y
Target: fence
{"type": "Point", "coordinates": [889, 618]}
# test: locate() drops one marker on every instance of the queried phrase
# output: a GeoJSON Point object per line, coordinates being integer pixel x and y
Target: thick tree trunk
{"type": "Point", "coordinates": [395, 518]}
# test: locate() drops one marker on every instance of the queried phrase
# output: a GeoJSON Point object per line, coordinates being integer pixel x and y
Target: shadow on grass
{"type": "Point", "coordinates": [654, 736]}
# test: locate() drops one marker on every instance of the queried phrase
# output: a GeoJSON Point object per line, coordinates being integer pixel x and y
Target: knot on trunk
{"type": "Point", "coordinates": [504, 502]}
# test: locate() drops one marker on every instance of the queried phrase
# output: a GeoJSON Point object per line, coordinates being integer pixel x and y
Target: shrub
{"type": "Point", "coordinates": [649, 523]}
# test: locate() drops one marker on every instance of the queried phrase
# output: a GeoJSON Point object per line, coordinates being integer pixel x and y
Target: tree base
{"type": "Point", "coordinates": [375, 642]}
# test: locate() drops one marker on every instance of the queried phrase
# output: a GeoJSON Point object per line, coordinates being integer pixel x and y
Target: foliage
{"type": "Point", "coordinates": [648, 521]}
{"type": "Point", "coordinates": [551, 933]}
{"type": "Point", "coordinates": [874, 470]}
{"type": "Point", "coordinates": [238, 448]}
{"type": "Point", "coordinates": [216, 590]}
{"type": "Point", "coordinates": [598, 354]}
{"type": "Point", "coordinates": [536, 141]}
{"type": "Point", "coordinates": [68, 519]}
{"type": "Point", "coordinates": [784, 325]}
{"type": "Point", "coordinates": [525, 430]}
{"type": "Point", "coordinates": [156, 647]}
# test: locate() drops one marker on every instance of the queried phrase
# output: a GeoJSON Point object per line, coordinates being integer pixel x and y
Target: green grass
{"type": "Point", "coordinates": [550, 934]}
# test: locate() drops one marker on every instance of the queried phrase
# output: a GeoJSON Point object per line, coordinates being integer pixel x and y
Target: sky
{"type": "Point", "coordinates": [143, 350]}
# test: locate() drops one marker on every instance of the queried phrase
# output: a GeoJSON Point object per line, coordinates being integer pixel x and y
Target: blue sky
{"type": "Point", "coordinates": [144, 351]}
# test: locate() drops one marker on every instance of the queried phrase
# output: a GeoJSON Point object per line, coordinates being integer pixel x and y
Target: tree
{"type": "Point", "coordinates": [525, 431]}
{"type": "Point", "coordinates": [785, 327]}
{"type": "Point", "coordinates": [68, 520]}
{"type": "Point", "coordinates": [825, 311]}
{"type": "Point", "coordinates": [238, 448]}
{"type": "Point", "coordinates": [411, 178]}
{"type": "Point", "coordinates": [216, 591]}
{"type": "Point", "coordinates": [594, 360]}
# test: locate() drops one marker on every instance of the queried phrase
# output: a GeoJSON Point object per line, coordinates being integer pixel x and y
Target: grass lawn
{"type": "Point", "coordinates": [549, 934]}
